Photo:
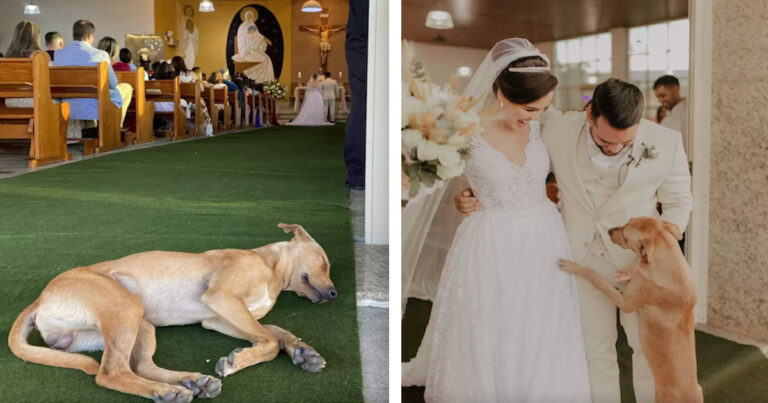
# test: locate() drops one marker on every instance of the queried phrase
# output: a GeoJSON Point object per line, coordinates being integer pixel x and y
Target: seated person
{"type": "Point", "coordinates": [81, 53]}
{"type": "Point", "coordinates": [25, 42]}
{"type": "Point", "coordinates": [53, 42]}
{"type": "Point", "coordinates": [109, 45]}
{"type": "Point", "coordinates": [144, 62]}
{"type": "Point", "coordinates": [231, 85]}
{"type": "Point", "coordinates": [124, 64]}
{"type": "Point", "coordinates": [166, 72]}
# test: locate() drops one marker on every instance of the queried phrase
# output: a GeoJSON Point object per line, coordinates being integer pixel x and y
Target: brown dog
{"type": "Point", "coordinates": [662, 292]}
{"type": "Point", "coordinates": [115, 306]}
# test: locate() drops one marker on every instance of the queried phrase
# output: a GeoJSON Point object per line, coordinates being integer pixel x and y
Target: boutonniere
{"type": "Point", "coordinates": [647, 153]}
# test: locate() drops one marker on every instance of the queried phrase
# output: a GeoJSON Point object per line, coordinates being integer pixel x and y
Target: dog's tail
{"type": "Point", "coordinates": [17, 341]}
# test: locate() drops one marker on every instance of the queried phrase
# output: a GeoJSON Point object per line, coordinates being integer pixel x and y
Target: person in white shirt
{"type": "Point", "coordinates": [329, 87]}
{"type": "Point", "coordinates": [667, 90]}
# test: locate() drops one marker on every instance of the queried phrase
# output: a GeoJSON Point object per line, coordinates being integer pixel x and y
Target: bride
{"type": "Point", "coordinates": [312, 112]}
{"type": "Point", "coordinates": [505, 321]}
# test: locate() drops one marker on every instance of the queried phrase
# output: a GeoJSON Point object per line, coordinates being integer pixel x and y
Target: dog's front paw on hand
{"type": "Point", "coordinates": [204, 386]}
{"type": "Point", "coordinates": [307, 358]}
{"type": "Point", "coordinates": [622, 275]}
{"type": "Point", "coordinates": [569, 266]}
{"type": "Point", "coordinates": [226, 365]}
{"type": "Point", "coordinates": [174, 395]}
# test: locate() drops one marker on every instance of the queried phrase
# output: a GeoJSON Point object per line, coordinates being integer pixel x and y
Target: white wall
{"type": "Point", "coordinates": [377, 126]}
{"type": "Point", "coordinates": [113, 18]}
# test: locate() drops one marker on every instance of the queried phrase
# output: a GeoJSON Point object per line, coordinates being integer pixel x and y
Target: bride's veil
{"type": "Point", "coordinates": [429, 221]}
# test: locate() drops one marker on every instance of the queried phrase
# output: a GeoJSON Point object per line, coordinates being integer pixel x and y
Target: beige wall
{"type": "Point", "coordinates": [738, 267]}
{"type": "Point", "coordinates": [306, 45]}
{"type": "Point", "coordinates": [443, 61]}
{"type": "Point", "coordinates": [214, 27]}
{"type": "Point", "coordinates": [135, 17]}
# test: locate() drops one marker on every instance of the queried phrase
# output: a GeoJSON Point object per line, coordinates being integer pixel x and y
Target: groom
{"type": "Point", "coordinates": [611, 165]}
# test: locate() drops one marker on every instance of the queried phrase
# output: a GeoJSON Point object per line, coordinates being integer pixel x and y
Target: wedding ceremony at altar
{"type": "Point", "coordinates": [583, 201]}
{"type": "Point", "coordinates": [194, 200]}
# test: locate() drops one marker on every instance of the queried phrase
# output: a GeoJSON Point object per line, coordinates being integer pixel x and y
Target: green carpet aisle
{"type": "Point", "coordinates": [222, 192]}
{"type": "Point", "coordinates": [728, 372]}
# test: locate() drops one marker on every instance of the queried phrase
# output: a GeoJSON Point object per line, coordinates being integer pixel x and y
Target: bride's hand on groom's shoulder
{"type": "Point", "coordinates": [466, 202]}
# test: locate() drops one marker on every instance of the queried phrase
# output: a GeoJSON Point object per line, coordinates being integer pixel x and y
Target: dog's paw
{"type": "Point", "coordinates": [203, 387]}
{"type": "Point", "coordinates": [174, 395]}
{"type": "Point", "coordinates": [569, 266]}
{"type": "Point", "coordinates": [622, 275]}
{"type": "Point", "coordinates": [226, 365]}
{"type": "Point", "coordinates": [307, 358]}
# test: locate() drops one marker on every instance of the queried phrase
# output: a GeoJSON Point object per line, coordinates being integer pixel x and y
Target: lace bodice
{"type": "Point", "coordinates": [501, 185]}
{"type": "Point", "coordinates": [313, 87]}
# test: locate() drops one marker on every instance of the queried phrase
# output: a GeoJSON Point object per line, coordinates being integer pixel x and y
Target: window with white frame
{"type": "Point", "coordinates": [580, 64]}
{"type": "Point", "coordinates": [656, 50]}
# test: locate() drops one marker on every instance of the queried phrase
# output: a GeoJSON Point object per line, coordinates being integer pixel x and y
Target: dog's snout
{"type": "Point", "coordinates": [612, 231]}
{"type": "Point", "coordinates": [332, 294]}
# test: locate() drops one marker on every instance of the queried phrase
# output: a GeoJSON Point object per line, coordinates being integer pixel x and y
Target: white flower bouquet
{"type": "Point", "coordinates": [436, 124]}
{"type": "Point", "coordinates": [275, 89]}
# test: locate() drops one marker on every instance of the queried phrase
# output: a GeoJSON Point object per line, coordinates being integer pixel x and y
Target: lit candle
{"type": "Point", "coordinates": [299, 75]}
{"type": "Point", "coordinates": [339, 75]}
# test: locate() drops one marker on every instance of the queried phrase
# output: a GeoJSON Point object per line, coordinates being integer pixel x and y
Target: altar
{"type": "Point", "coordinates": [340, 95]}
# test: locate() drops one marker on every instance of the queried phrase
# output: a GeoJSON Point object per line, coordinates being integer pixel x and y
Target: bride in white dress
{"type": "Point", "coordinates": [312, 111]}
{"type": "Point", "coordinates": [505, 321]}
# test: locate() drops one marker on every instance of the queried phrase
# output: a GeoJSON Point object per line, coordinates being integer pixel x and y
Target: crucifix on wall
{"type": "Point", "coordinates": [324, 31]}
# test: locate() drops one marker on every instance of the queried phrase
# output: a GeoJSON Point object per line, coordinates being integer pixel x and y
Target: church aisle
{"type": "Point", "coordinates": [226, 191]}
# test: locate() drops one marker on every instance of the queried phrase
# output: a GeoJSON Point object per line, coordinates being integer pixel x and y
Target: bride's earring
{"type": "Point", "coordinates": [501, 105]}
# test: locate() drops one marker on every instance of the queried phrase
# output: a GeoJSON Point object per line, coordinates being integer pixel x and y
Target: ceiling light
{"type": "Point", "coordinates": [31, 8]}
{"type": "Point", "coordinates": [439, 19]}
{"type": "Point", "coordinates": [311, 6]}
{"type": "Point", "coordinates": [464, 71]}
{"type": "Point", "coordinates": [206, 6]}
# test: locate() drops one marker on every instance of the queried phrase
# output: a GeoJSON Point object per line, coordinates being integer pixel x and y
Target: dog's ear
{"type": "Point", "coordinates": [298, 231]}
{"type": "Point", "coordinates": [647, 248]}
{"type": "Point", "coordinates": [674, 230]}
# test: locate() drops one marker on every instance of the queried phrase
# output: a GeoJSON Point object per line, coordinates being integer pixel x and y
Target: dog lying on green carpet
{"type": "Point", "coordinates": [115, 305]}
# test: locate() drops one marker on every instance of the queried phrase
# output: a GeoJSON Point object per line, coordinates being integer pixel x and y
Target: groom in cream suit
{"type": "Point", "coordinates": [611, 166]}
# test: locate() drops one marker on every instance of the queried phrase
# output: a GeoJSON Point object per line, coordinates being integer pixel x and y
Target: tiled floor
{"type": "Point", "coordinates": [14, 156]}
{"type": "Point", "coordinates": [372, 270]}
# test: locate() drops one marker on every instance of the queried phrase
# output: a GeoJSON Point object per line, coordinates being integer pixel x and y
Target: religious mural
{"type": "Point", "coordinates": [189, 36]}
{"type": "Point", "coordinates": [255, 44]}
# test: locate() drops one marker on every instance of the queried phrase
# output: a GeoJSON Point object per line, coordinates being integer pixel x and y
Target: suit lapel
{"type": "Point", "coordinates": [572, 150]}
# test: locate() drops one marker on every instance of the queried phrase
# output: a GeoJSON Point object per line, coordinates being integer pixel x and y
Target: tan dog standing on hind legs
{"type": "Point", "coordinates": [115, 306]}
{"type": "Point", "coordinates": [660, 288]}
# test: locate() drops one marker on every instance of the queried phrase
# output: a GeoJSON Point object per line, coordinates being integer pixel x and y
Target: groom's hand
{"type": "Point", "coordinates": [466, 202]}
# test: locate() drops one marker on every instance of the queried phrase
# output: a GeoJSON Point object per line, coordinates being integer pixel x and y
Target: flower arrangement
{"type": "Point", "coordinates": [275, 89]}
{"type": "Point", "coordinates": [436, 124]}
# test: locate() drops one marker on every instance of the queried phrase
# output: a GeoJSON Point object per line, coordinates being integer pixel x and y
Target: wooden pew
{"type": "Point", "coordinates": [212, 111]}
{"type": "Point", "coordinates": [169, 91]}
{"type": "Point", "coordinates": [30, 78]}
{"type": "Point", "coordinates": [251, 100]}
{"type": "Point", "coordinates": [141, 111]}
{"type": "Point", "coordinates": [191, 93]}
{"type": "Point", "coordinates": [235, 106]}
{"type": "Point", "coordinates": [90, 82]}
{"type": "Point", "coordinates": [264, 109]}
{"type": "Point", "coordinates": [221, 96]}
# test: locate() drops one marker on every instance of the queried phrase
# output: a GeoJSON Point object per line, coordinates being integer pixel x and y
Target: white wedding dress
{"type": "Point", "coordinates": [505, 323]}
{"type": "Point", "coordinates": [312, 111]}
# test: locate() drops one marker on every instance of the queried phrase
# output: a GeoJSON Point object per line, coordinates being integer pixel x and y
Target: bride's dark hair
{"type": "Point", "coordinates": [523, 88]}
